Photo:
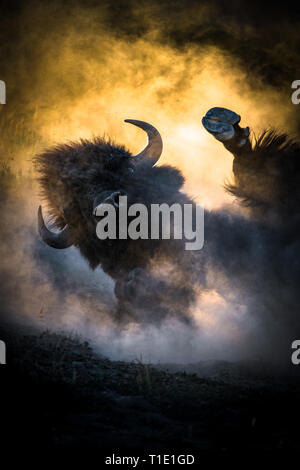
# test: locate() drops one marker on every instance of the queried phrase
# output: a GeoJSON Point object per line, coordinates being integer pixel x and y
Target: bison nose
{"type": "Point", "coordinates": [114, 198]}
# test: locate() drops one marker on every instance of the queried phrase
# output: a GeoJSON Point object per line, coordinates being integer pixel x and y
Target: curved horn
{"type": "Point", "coordinates": [153, 150]}
{"type": "Point", "coordinates": [60, 240]}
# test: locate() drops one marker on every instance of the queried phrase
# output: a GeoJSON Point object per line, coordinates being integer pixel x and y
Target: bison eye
{"type": "Point", "coordinates": [130, 171]}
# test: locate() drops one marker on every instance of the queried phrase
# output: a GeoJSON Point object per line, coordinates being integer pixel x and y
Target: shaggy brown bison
{"type": "Point", "coordinates": [77, 177]}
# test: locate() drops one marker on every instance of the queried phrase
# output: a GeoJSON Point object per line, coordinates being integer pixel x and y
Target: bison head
{"type": "Point", "coordinates": [111, 163]}
{"type": "Point", "coordinates": [75, 178]}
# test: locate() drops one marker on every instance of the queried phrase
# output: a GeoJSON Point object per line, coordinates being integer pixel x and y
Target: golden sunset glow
{"type": "Point", "coordinates": [86, 80]}
{"type": "Point", "coordinates": [90, 83]}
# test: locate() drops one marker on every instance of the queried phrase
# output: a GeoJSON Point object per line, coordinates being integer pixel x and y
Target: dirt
{"type": "Point", "coordinates": [60, 394]}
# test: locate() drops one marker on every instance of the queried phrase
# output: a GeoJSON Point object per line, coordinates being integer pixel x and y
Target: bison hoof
{"type": "Point", "coordinates": [223, 125]}
{"type": "Point", "coordinates": [134, 288]}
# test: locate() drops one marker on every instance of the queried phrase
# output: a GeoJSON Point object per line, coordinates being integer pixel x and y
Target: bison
{"type": "Point", "coordinates": [77, 177]}
{"type": "Point", "coordinates": [266, 172]}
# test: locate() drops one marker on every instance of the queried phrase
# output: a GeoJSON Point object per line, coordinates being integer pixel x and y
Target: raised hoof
{"type": "Point", "coordinates": [223, 125]}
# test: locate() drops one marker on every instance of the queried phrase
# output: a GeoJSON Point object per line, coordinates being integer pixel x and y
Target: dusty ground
{"type": "Point", "coordinates": [59, 394]}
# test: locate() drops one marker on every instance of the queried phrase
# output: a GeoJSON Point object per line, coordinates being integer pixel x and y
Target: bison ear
{"type": "Point", "coordinates": [153, 150]}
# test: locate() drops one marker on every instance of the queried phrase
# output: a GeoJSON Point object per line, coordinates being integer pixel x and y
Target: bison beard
{"type": "Point", "coordinates": [77, 177]}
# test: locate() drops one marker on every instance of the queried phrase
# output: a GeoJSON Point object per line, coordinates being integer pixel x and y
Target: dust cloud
{"type": "Point", "coordinates": [76, 72]}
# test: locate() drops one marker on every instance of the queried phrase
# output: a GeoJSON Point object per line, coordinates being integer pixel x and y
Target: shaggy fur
{"type": "Point", "coordinates": [73, 175]}
{"type": "Point", "coordinates": [267, 179]}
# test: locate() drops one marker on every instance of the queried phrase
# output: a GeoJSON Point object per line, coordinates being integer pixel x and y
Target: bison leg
{"type": "Point", "coordinates": [139, 297]}
{"type": "Point", "coordinates": [145, 298]}
{"type": "Point", "coordinates": [223, 124]}
{"type": "Point", "coordinates": [137, 288]}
